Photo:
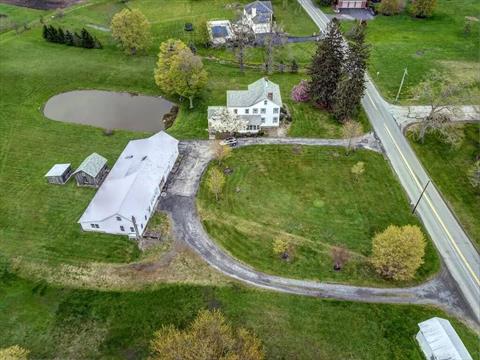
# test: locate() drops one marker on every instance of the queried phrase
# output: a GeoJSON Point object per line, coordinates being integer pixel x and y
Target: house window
{"type": "Point", "coordinates": [119, 218]}
{"type": "Point", "coordinates": [247, 111]}
{"type": "Point", "coordinates": [132, 229]}
{"type": "Point", "coordinates": [265, 102]}
{"type": "Point", "coordinates": [93, 226]}
{"type": "Point", "coordinates": [263, 120]}
{"type": "Point", "coordinates": [275, 119]}
{"type": "Point", "coordinates": [235, 111]}
{"type": "Point", "coordinates": [122, 228]}
{"type": "Point", "coordinates": [255, 111]}
{"type": "Point", "coordinates": [263, 111]}
{"type": "Point", "coordinates": [275, 110]}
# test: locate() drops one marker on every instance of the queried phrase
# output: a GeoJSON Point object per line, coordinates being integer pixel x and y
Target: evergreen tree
{"type": "Point", "coordinates": [326, 68]}
{"type": "Point", "coordinates": [45, 33]}
{"type": "Point", "coordinates": [69, 38]}
{"type": "Point", "coordinates": [60, 36]}
{"type": "Point", "coordinates": [87, 40]}
{"type": "Point", "coordinates": [53, 34]}
{"type": "Point", "coordinates": [98, 44]}
{"type": "Point", "coordinates": [351, 87]}
{"type": "Point", "coordinates": [294, 67]}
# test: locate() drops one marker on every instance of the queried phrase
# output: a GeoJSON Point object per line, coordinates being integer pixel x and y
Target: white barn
{"type": "Point", "coordinates": [127, 198]}
{"type": "Point", "coordinates": [439, 341]}
{"type": "Point", "coordinates": [260, 105]}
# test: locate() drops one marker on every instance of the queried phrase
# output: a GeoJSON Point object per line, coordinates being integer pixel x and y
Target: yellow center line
{"type": "Point", "coordinates": [452, 241]}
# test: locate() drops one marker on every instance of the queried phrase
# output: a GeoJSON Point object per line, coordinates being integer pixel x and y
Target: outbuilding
{"type": "Point", "coordinates": [59, 174]}
{"type": "Point", "coordinates": [351, 4]}
{"type": "Point", "coordinates": [439, 341]}
{"type": "Point", "coordinates": [92, 171]}
{"type": "Point", "coordinates": [128, 196]}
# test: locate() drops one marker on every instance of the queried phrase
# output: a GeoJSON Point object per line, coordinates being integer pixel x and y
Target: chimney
{"type": "Point", "coordinates": [270, 96]}
{"type": "Point", "coordinates": [254, 11]}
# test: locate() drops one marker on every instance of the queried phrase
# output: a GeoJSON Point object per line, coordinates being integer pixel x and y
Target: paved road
{"type": "Point", "coordinates": [456, 249]}
{"type": "Point", "coordinates": [179, 203]}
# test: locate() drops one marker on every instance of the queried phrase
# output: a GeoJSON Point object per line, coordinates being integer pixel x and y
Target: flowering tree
{"type": "Point", "coordinates": [223, 121]}
{"type": "Point", "coordinates": [300, 92]}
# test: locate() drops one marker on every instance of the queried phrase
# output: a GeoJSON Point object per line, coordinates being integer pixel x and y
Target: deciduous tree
{"type": "Point", "coordinates": [301, 92]}
{"type": "Point", "coordinates": [358, 169]}
{"type": "Point", "coordinates": [350, 130]}
{"type": "Point", "coordinates": [326, 67]}
{"type": "Point", "coordinates": [221, 152]}
{"type": "Point", "coordinates": [208, 337]}
{"type": "Point", "coordinates": [340, 256]}
{"type": "Point", "coordinates": [225, 122]}
{"type": "Point", "coordinates": [168, 49]}
{"type": "Point", "coordinates": [242, 39]}
{"type": "Point", "coordinates": [215, 182]}
{"type": "Point", "coordinates": [132, 29]}
{"type": "Point", "coordinates": [284, 248]}
{"type": "Point", "coordinates": [398, 252]}
{"type": "Point", "coordinates": [474, 174]}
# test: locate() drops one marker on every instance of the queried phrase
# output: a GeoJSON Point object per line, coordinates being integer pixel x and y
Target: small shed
{"type": "Point", "coordinates": [92, 171]}
{"type": "Point", "coordinates": [351, 4]}
{"type": "Point", "coordinates": [59, 174]}
{"type": "Point", "coordinates": [439, 341]}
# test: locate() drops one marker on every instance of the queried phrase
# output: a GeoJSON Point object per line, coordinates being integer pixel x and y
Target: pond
{"type": "Point", "coordinates": [109, 110]}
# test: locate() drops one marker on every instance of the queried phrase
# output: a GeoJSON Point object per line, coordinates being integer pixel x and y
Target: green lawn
{"type": "Point", "coordinates": [310, 197]}
{"type": "Point", "coordinates": [424, 44]}
{"type": "Point", "coordinates": [12, 17]}
{"type": "Point", "coordinates": [67, 323]}
{"type": "Point", "coordinates": [448, 168]}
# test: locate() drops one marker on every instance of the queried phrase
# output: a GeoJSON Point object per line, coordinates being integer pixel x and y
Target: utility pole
{"type": "Point", "coordinates": [420, 198]}
{"type": "Point", "coordinates": [405, 73]}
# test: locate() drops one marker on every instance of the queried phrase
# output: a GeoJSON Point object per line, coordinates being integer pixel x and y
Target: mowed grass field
{"type": "Point", "coordinates": [448, 168]}
{"type": "Point", "coordinates": [402, 41]}
{"type": "Point", "coordinates": [309, 197]}
{"type": "Point", "coordinates": [68, 323]}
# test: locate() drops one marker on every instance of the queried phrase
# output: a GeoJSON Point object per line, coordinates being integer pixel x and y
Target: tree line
{"type": "Point", "coordinates": [60, 36]}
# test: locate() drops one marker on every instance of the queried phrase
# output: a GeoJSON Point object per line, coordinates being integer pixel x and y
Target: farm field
{"type": "Point", "coordinates": [448, 168]}
{"type": "Point", "coordinates": [307, 195]}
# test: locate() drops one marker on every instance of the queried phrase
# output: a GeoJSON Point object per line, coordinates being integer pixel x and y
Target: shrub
{"type": "Point", "coordinates": [398, 252]}
{"type": "Point", "coordinates": [300, 92]}
{"type": "Point", "coordinates": [389, 7]}
{"type": "Point", "coordinates": [423, 8]}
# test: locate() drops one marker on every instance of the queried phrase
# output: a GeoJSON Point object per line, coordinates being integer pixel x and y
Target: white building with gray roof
{"type": "Point", "coordinates": [259, 105]}
{"type": "Point", "coordinates": [259, 16]}
{"type": "Point", "coordinates": [128, 196]}
{"type": "Point", "coordinates": [439, 341]}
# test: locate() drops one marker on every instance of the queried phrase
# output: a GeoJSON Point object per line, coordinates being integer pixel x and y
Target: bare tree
{"type": "Point", "coordinates": [350, 130]}
{"type": "Point", "coordinates": [243, 38]}
{"type": "Point", "coordinates": [221, 152]}
{"type": "Point", "coordinates": [442, 96]}
{"type": "Point", "coordinates": [340, 256]}
{"type": "Point", "coordinates": [272, 41]}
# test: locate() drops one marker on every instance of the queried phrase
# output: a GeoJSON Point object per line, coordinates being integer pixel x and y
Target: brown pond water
{"type": "Point", "coordinates": [109, 110]}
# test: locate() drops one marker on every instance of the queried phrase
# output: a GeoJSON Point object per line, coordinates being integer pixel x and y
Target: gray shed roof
{"type": "Point", "coordinates": [260, 6]}
{"type": "Point", "coordinates": [256, 92]}
{"type": "Point", "coordinates": [57, 170]}
{"type": "Point", "coordinates": [442, 340]}
{"type": "Point", "coordinates": [92, 164]}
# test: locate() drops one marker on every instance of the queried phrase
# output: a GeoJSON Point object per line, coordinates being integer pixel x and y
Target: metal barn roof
{"type": "Point", "coordinates": [57, 170]}
{"type": "Point", "coordinates": [441, 341]}
{"type": "Point", "coordinates": [92, 164]}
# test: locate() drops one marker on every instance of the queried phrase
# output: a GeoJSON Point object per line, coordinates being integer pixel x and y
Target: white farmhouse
{"type": "Point", "coordinates": [259, 106]}
{"type": "Point", "coordinates": [259, 16]}
{"type": "Point", "coordinates": [439, 341]}
{"type": "Point", "coordinates": [127, 198]}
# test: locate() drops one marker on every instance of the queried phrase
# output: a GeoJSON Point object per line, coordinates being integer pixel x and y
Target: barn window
{"type": "Point", "coordinates": [119, 218]}
{"type": "Point", "coordinates": [122, 228]}
{"type": "Point", "coordinates": [145, 217]}
{"type": "Point", "coordinates": [97, 226]}
{"type": "Point", "coordinates": [132, 229]}
{"type": "Point", "coordinates": [141, 225]}
{"type": "Point", "coordinates": [93, 226]}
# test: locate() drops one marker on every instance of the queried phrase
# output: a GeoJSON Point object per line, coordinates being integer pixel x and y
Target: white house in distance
{"type": "Point", "coordinates": [127, 198]}
{"type": "Point", "coordinates": [259, 105]}
{"type": "Point", "coordinates": [439, 341]}
{"type": "Point", "coordinates": [259, 16]}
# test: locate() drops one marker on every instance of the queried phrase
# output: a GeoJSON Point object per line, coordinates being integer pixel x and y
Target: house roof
{"type": "Point", "coordinates": [260, 6]}
{"type": "Point", "coordinates": [262, 19]}
{"type": "Point", "coordinates": [92, 164]}
{"type": "Point", "coordinates": [57, 170]}
{"type": "Point", "coordinates": [212, 110]}
{"type": "Point", "coordinates": [443, 340]}
{"type": "Point", "coordinates": [252, 119]}
{"type": "Point", "coordinates": [131, 184]}
{"type": "Point", "coordinates": [256, 92]}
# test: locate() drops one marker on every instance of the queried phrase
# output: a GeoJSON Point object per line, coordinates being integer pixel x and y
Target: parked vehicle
{"type": "Point", "coordinates": [230, 141]}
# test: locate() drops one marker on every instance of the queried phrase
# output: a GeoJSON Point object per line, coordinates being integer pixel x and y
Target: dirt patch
{"type": "Point", "coordinates": [42, 4]}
